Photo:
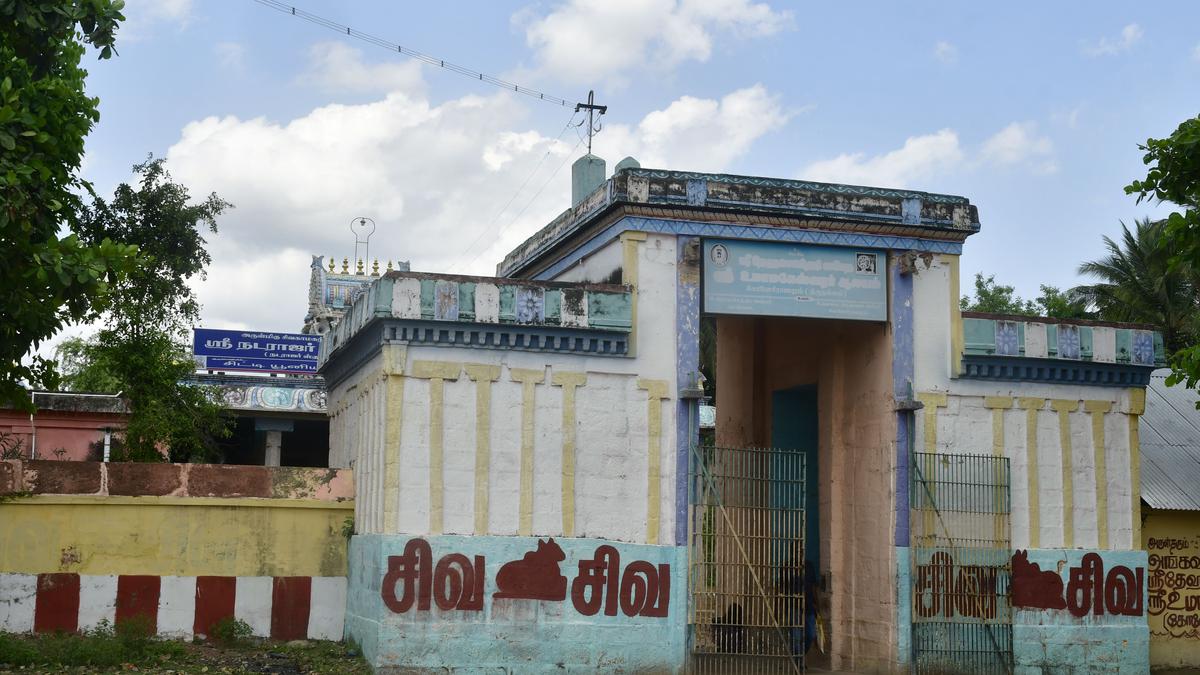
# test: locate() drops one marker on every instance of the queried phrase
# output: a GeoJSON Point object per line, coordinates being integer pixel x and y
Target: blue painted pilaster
{"type": "Point", "coordinates": [687, 364]}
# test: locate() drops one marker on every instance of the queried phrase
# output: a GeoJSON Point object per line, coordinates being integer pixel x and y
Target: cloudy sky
{"type": "Point", "coordinates": [1031, 110]}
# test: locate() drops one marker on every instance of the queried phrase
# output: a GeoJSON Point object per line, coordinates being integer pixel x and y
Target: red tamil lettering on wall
{"type": "Point", "coordinates": [455, 582]}
{"type": "Point", "coordinates": [641, 590]}
{"type": "Point", "coordinates": [943, 589]}
{"type": "Point", "coordinates": [1088, 590]}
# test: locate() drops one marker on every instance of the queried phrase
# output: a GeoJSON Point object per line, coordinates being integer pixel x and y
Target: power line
{"type": "Point", "coordinates": [431, 60]}
{"type": "Point", "coordinates": [531, 199]}
{"type": "Point", "coordinates": [570, 123]}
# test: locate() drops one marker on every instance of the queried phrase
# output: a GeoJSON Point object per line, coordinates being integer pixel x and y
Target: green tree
{"type": "Point", "coordinates": [49, 275]}
{"type": "Point", "coordinates": [1174, 177]}
{"type": "Point", "coordinates": [1059, 304]}
{"type": "Point", "coordinates": [994, 298]}
{"type": "Point", "coordinates": [142, 348]}
{"type": "Point", "coordinates": [1139, 283]}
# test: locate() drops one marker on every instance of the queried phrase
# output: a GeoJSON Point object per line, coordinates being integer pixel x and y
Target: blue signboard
{"type": "Point", "coordinates": [765, 278]}
{"type": "Point", "coordinates": [255, 351]}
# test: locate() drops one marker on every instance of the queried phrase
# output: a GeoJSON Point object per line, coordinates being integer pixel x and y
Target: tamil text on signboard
{"type": "Point", "coordinates": [780, 279]}
{"type": "Point", "coordinates": [255, 351]}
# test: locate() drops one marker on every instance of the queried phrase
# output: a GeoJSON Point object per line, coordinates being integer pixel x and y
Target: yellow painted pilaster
{"type": "Point", "coordinates": [529, 378]}
{"type": "Point", "coordinates": [1097, 410]}
{"type": "Point", "coordinates": [931, 401]}
{"type": "Point", "coordinates": [394, 358]}
{"type": "Point", "coordinates": [437, 372]}
{"type": "Point", "coordinates": [568, 382]}
{"type": "Point", "coordinates": [1032, 405]}
{"type": "Point", "coordinates": [656, 391]}
{"type": "Point", "coordinates": [956, 322]}
{"type": "Point", "coordinates": [1064, 408]}
{"type": "Point", "coordinates": [998, 404]}
{"type": "Point", "coordinates": [483, 376]}
{"type": "Point", "coordinates": [1137, 406]}
{"type": "Point", "coordinates": [629, 275]}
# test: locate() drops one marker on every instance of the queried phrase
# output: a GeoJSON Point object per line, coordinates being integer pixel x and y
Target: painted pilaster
{"type": "Point", "coordinates": [483, 376]}
{"type": "Point", "coordinates": [1031, 406]}
{"type": "Point", "coordinates": [902, 382]}
{"type": "Point", "coordinates": [687, 364]}
{"type": "Point", "coordinates": [1097, 409]}
{"type": "Point", "coordinates": [629, 274]}
{"type": "Point", "coordinates": [656, 392]}
{"type": "Point", "coordinates": [932, 401]}
{"type": "Point", "coordinates": [437, 372]}
{"type": "Point", "coordinates": [394, 361]}
{"type": "Point", "coordinates": [1064, 408]}
{"type": "Point", "coordinates": [956, 322]}
{"type": "Point", "coordinates": [529, 378]}
{"type": "Point", "coordinates": [998, 404]}
{"type": "Point", "coordinates": [1137, 406]}
{"type": "Point", "coordinates": [569, 382]}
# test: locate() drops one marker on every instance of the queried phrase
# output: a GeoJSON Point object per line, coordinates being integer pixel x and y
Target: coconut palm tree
{"type": "Point", "coordinates": [1138, 284]}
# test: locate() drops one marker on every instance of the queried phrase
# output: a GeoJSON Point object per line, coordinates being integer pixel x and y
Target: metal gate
{"type": "Point", "coordinates": [746, 560]}
{"type": "Point", "coordinates": [961, 615]}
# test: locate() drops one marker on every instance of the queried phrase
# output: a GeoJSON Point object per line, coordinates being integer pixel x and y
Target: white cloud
{"type": "Point", "coordinates": [920, 158]}
{"type": "Point", "coordinates": [143, 16]}
{"type": "Point", "coordinates": [1019, 143]}
{"type": "Point", "coordinates": [338, 67]}
{"type": "Point", "coordinates": [1070, 117]}
{"type": "Point", "coordinates": [433, 176]}
{"type": "Point", "coordinates": [697, 134]}
{"type": "Point", "coordinates": [1130, 35]}
{"type": "Point", "coordinates": [231, 55]}
{"type": "Point", "coordinates": [585, 41]}
{"type": "Point", "coordinates": [945, 52]}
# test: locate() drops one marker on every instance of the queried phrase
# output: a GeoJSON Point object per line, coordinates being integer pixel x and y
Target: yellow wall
{"type": "Point", "coordinates": [1172, 539]}
{"type": "Point", "coordinates": [182, 536]}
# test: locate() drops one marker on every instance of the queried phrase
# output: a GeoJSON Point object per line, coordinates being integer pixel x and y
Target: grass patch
{"type": "Point", "coordinates": [131, 647]}
{"type": "Point", "coordinates": [104, 646]}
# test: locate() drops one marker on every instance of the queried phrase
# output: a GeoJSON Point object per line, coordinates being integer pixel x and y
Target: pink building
{"type": "Point", "coordinates": [67, 425]}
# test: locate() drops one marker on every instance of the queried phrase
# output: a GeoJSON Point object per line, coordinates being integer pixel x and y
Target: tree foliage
{"type": "Point", "coordinates": [142, 348]}
{"type": "Point", "coordinates": [995, 298]}
{"type": "Point", "coordinates": [49, 275]}
{"type": "Point", "coordinates": [1139, 283]}
{"type": "Point", "coordinates": [1173, 176]}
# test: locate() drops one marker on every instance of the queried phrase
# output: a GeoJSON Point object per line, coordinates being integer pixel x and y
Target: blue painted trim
{"type": "Point", "coordinates": [728, 231]}
{"type": "Point", "coordinates": [903, 369]}
{"type": "Point", "coordinates": [1056, 371]}
{"type": "Point", "coordinates": [687, 362]}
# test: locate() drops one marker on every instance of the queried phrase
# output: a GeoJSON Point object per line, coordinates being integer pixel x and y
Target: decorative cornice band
{"type": "Point", "coordinates": [1055, 371]}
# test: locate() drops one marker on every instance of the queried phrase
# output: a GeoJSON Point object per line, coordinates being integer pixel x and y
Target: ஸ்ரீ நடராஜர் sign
{"type": "Point", "coordinates": [255, 351]}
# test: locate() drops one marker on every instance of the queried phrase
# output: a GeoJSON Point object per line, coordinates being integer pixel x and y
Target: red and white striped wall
{"type": "Point", "coordinates": [281, 608]}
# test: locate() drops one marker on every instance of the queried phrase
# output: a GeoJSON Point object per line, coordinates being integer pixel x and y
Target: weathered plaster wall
{"type": "Point", "coordinates": [850, 362]}
{"type": "Point", "coordinates": [597, 268]}
{"type": "Point", "coordinates": [1073, 470]}
{"type": "Point", "coordinates": [71, 433]}
{"type": "Point", "coordinates": [505, 446]}
{"type": "Point", "coordinates": [1172, 542]}
{"type": "Point", "coordinates": [184, 545]}
{"type": "Point", "coordinates": [475, 628]}
{"type": "Point", "coordinates": [1102, 640]}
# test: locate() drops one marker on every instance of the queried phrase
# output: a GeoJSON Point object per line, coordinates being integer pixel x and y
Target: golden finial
{"type": "Point", "coordinates": [359, 266]}
{"type": "Point", "coordinates": [332, 265]}
{"type": "Point", "coordinates": [375, 268]}
{"type": "Point", "coordinates": [389, 268]}
{"type": "Point", "coordinates": [345, 266]}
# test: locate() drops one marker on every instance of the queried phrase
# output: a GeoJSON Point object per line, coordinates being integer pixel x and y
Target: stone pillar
{"type": "Point", "coordinates": [274, 446]}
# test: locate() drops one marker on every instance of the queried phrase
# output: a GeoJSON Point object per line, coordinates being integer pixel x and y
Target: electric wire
{"type": "Point", "coordinates": [412, 53]}
{"type": "Point", "coordinates": [495, 218]}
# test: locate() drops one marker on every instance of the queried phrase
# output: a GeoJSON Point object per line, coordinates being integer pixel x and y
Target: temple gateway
{"type": "Point", "coordinates": [891, 484]}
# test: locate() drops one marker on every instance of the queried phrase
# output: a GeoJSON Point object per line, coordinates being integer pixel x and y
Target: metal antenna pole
{"type": "Point", "coordinates": [592, 110]}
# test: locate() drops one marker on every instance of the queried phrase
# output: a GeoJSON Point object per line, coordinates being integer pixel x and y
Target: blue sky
{"type": "Point", "coordinates": [1031, 110]}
